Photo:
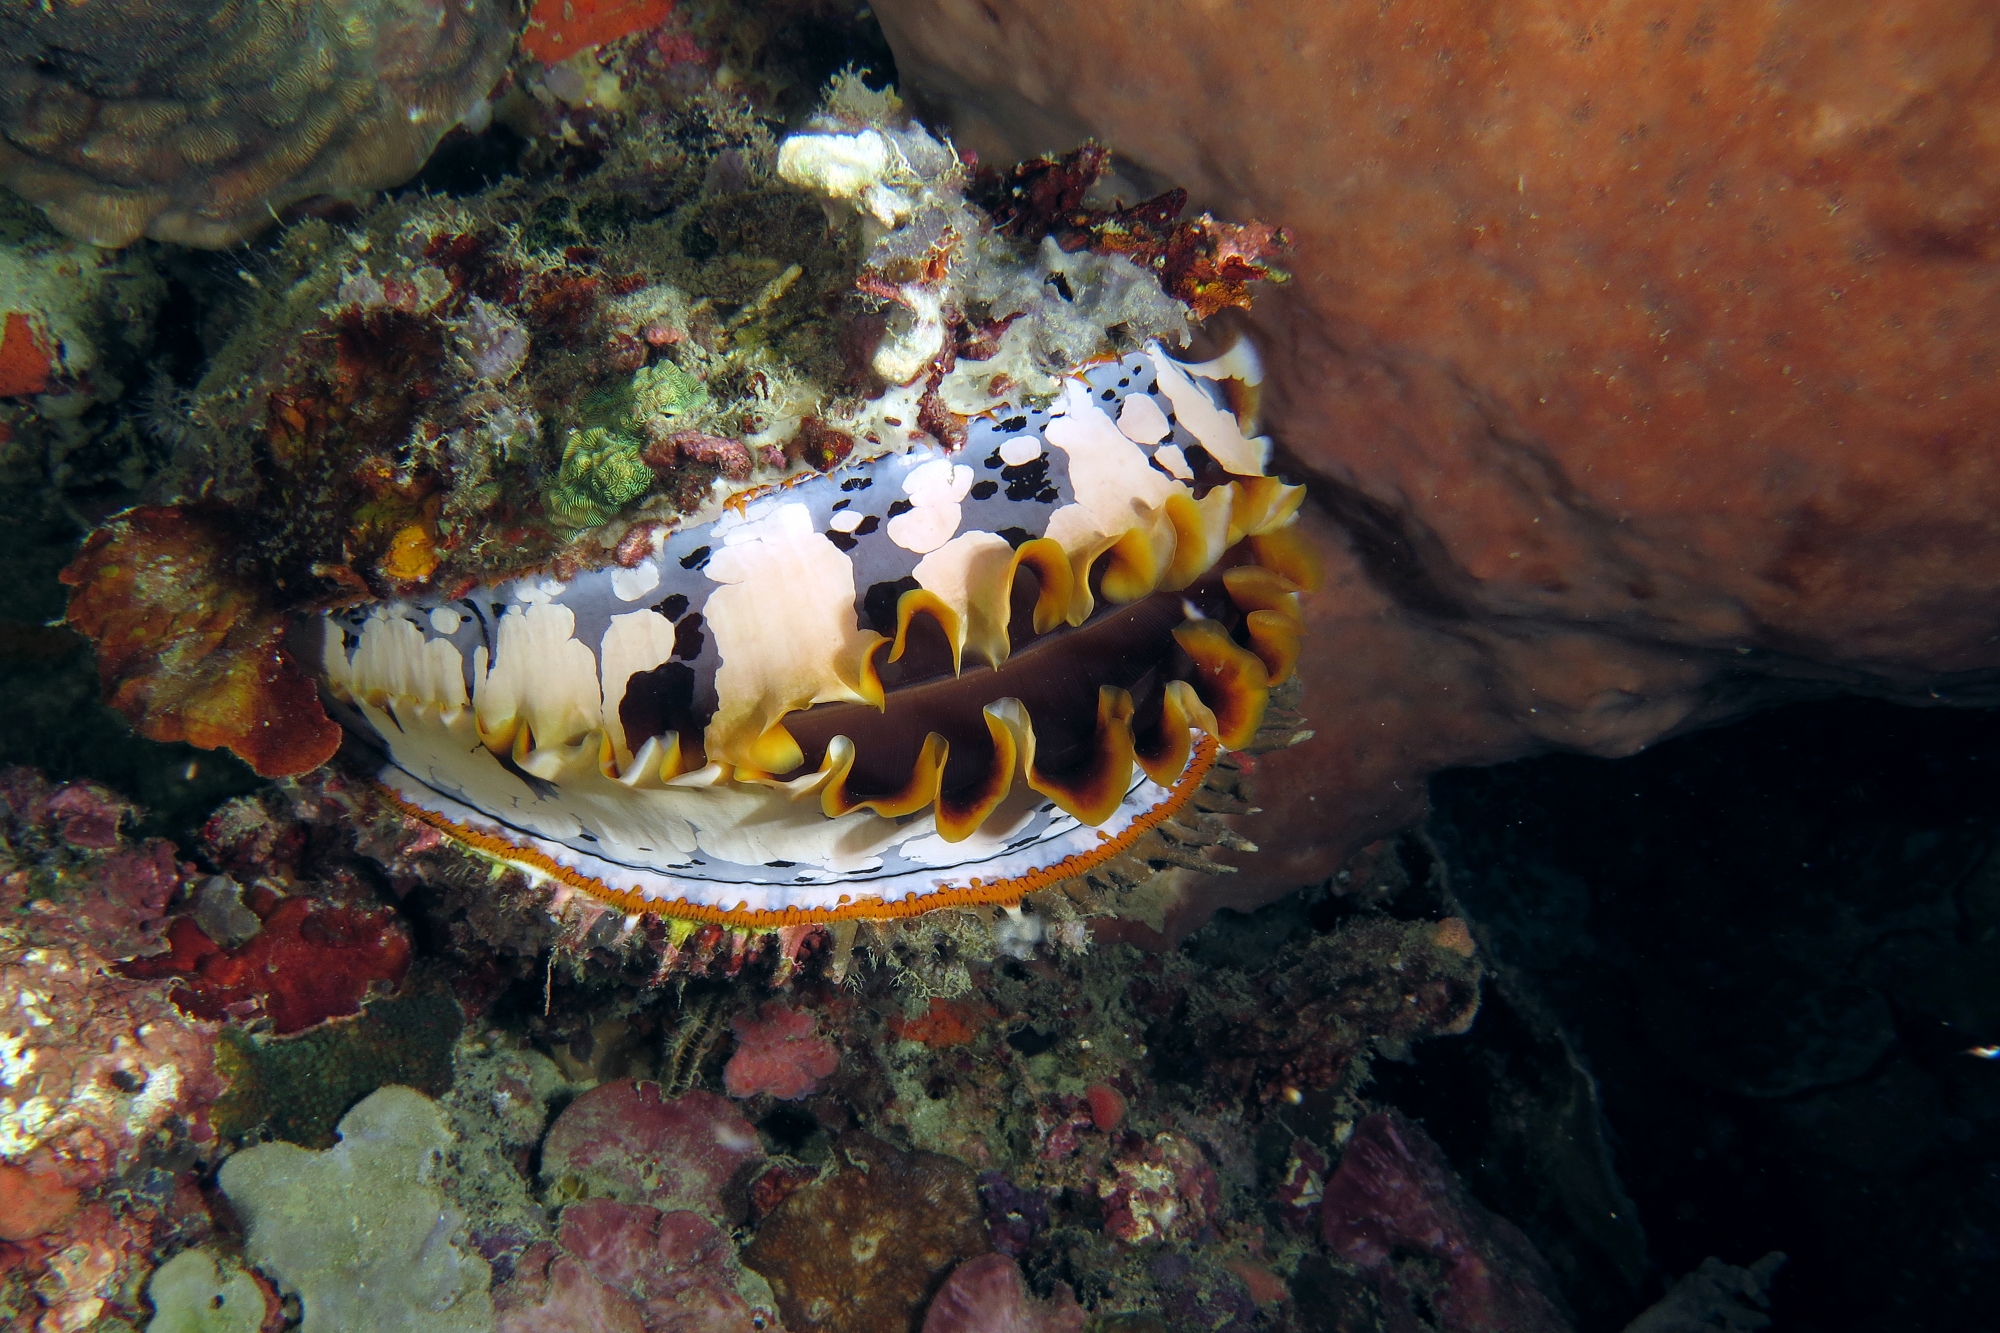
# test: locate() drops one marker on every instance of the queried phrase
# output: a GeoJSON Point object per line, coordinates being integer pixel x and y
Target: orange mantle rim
{"type": "Point", "coordinates": [1000, 893]}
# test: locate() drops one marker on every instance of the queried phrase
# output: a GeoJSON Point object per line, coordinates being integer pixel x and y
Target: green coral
{"type": "Point", "coordinates": [203, 1291]}
{"type": "Point", "coordinates": [363, 1233]}
{"type": "Point", "coordinates": [665, 390]}
{"type": "Point", "coordinates": [297, 1088]}
{"type": "Point", "coordinates": [603, 465]}
{"type": "Point", "coordinates": [602, 471]}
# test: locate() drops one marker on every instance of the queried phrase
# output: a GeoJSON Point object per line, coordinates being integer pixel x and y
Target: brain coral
{"type": "Point", "coordinates": [195, 122]}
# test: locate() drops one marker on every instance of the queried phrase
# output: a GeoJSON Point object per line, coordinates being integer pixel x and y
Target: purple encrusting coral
{"type": "Point", "coordinates": [1014, 1217]}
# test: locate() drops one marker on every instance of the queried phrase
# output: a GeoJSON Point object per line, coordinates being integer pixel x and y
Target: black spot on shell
{"type": "Point", "coordinates": [984, 490]}
{"type": "Point", "coordinates": [1200, 459]}
{"type": "Point", "coordinates": [1047, 495]}
{"type": "Point", "coordinates": [657, 702]}
{"type": "Point", "coordinates": [1109, 395]}
{"type": "Point", "coordinates": [994, 460]}
{"type": "Point", "coordinates": [1024, 479]}
{"type": "Point", "coordinates": [900, 507]}
{"type": "Point", "coordinates": [695, 559]}
{"type": "Point", "coordinates": [857, 483]}
{"type": "Point", "coordinates": [673, 607]}
{"type": "Point", "coordinates": [1014, 424]}
{"type": "Point", "coordinates": [878, 606]}
{"type": "Point", "coordinates": [839, 505]}
{"type": "Point", "coordinates": [688, 638]}
{"type": "Point", "coordinates": [781, 865]}
{"type": "Point", "coordinates": [867, 526]}
{"type": "Point", "coordinates": [842, 540]}
{"type": "Point", "coordinates": [1015, 536]}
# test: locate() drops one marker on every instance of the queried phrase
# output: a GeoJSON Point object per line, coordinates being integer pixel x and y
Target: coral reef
{"type": "Point", "coordinates": [197, 1291]}
{"type": "Point", "coordinates": [197, 123]}
{"type": "Point", "coordinates": [304, 963]}
{"type": "Point", "coordinates": [1393, 1195]}
{"type": "Point", "coordinates": [558, 29]}
{"type": "Point", "coordinates": [186, 647]}
{"type": "Point", "coordinates": [864, 1248]}
{"type": "Point", "coordinates": [610, 375]}
{"type": "Point", "coordinates": [1159, 1190]}
{"type": "Point", "coordinates": [361, 1232]}
{"type": "Point", "coordinates": [987, 1295]}
{"type": "Point", "coordinates": [101, 1077]}
{"type": "Point", "coordinates": [296, 1088]}
{"type": "Point", "coordinates": [629, 1267]}
{"type": "Point", "coordinates": [94, 1065]}
{"type": "Point", "coordinates": [626, 1141]}
{"type": "Point", "coordinates": [1556, 513]}
{"type": "Point", "coordinates": [781, 1052]}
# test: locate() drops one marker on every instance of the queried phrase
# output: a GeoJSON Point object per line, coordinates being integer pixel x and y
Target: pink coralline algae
{"type": "Point", "coordinates": [988, 1295]}
{"type": "Point", "coordinates": [630, 1142]}
{"type": "Point", "coordinates": [1395, 1210]}
{"type": "Point", "coordinates": [1162, 1190]}
{"type": "Point", "coordinates": [779, 1051]}
{"type": "Point", "coordinates": [94, 1267]}
{"type": "Point", "coordinates": [92, 1065]}
{"type": "Point", "coordinates": [627, 1268]}
{"type": "Point", "coordinates": [97, 1071]}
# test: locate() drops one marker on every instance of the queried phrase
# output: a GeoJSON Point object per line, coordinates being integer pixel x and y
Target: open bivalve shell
{"type": "Point", "coordinates": [925, 679]}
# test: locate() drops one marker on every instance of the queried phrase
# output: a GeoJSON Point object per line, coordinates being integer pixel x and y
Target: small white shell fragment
{"type": "Point", "coordinates": [847, 520]}
{"type": "Point", "coordinates": [446, 619]}
{"type": "Point", "coordinates": [1142, 421]}
{"type": "Point", "coordinates": [1021, 449]}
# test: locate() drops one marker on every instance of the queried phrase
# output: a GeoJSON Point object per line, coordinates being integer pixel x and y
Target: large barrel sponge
{"type": "Point", "coordinates": [195, 122]}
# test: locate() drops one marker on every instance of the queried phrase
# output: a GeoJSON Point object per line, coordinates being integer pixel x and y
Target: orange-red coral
{"type": "Point", "coordinates": [25, 359]}
{"type": "Point", "coordinates": [558, 29]}
{"type": "Point", "coordinates": [945, 1023]}
{"type": "Point", "coordinates": [187, 650]}
{"type": "Point", "coordinates": [310, 962]}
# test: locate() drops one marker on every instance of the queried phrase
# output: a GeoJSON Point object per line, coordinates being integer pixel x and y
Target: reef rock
{"type": "Point", "coordinates": [1632, 357]}
{"type": "Point", "coordinates": [988, 1295]}
{"type": "Point", "coordinates": [629, 1267]}
{"type": "Point", "coordinates": [92, 1066]}
{"type": "Point", "coordinates": [196, 122]}
{"type": "Point", "coordinates": [862, 1250]}
{"type": "Point", "coordinates": [1395, 1210]}
{"type": "Point", "coordinates": [629, 1141]}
